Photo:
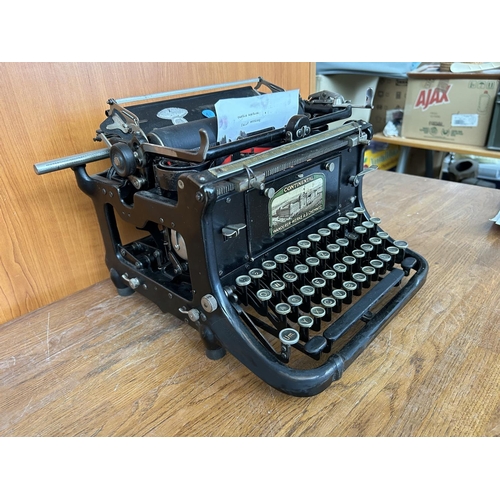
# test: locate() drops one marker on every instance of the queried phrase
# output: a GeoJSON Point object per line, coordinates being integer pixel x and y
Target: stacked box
{"type": "Point", "coordinates": [390, 94]}
{"type": "Point", "coordinates": [449, 109]}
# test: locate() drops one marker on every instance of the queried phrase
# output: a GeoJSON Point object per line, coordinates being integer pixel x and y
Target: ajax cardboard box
{"type": "Point", "coordinates": [449, 109]}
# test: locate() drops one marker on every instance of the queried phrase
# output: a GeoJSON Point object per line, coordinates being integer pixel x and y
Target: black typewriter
{"type": "Point", "coordinates": [252, 225]}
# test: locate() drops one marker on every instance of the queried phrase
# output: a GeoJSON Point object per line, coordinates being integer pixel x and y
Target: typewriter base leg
{"type": "Point", "coordinates": [215, 354]}
{"type": "Point", "coordinates": [122, 289]}
{"type": "Point", "coordinates": [213, 350]}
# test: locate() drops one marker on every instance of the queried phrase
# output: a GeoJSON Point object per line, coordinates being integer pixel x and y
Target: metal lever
{"type": "Point", "coordinates": [354, 179]}
{"type": "Point", "coordinates": [232, 230]}
{"type": "Point", "coordinates": [181, 154]}
{"type": "Point", "coordinates": [77, 160]}
{"type": "Point", "coordinates": [130, 122]}
{"type": "Point", "coordinates": [193, 314]}
{"type": "Point", "coordinates": [327, 97]}
{"type": "Point", "coordinates": [338, 101]}
{"type": "Point", "coordinates": [132, 282]}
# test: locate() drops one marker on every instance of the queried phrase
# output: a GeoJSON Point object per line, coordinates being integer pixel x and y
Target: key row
{"type": "Point", "coordinates": [304, 252]}
{"type": "Point", "coordinates": [321, 272]}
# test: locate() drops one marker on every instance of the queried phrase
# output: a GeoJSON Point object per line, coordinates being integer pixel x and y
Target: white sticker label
{"type": "Point", "coordinates": [464, 120]}
{"type": "Point", "coordinates": [175, 114]}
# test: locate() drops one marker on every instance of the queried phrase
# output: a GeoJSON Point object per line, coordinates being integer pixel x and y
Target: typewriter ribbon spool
{"type": "Point", "coordinates": [271, 255]}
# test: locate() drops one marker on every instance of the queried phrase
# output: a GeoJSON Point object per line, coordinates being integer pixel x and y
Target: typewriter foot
{"type": "Point", "coordinates": [122, 289]}
{"type": "Point", "coordinates": [215, 354]}
{"type": "Point", "coordinates": [124, 292]}
{"type": "Point", "coordinates": [213, 350]}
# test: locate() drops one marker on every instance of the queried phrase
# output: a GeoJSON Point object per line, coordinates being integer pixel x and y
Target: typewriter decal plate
{"type": "Point", "coordinates": [296, 202]}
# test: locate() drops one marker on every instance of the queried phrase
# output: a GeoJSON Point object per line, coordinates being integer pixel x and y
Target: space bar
{"type": "Point", "coordinates": [360, 308]}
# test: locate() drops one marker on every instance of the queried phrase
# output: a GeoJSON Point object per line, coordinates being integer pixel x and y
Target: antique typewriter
{"type": "Point", "coordinates": [252, 225]}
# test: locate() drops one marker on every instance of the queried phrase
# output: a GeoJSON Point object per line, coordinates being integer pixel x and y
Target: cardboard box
{"type": "Point", "coordinates": [448, 109]}
{"type": "Point", "coordinates": [390, 94]}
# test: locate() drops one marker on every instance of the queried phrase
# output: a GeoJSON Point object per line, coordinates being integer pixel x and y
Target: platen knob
{"type": "Point", "coordinates": [122, 158]}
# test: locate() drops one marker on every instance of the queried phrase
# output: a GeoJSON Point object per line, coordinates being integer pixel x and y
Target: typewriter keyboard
{"type": "Point", "coordinates": [312, 294]}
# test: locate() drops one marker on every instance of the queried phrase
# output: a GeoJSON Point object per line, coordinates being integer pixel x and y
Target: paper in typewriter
{"type": "Point", "coordinates": [239, 117]}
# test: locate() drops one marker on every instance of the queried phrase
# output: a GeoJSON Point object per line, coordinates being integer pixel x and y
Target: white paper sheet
{"type": "Point", "coordinates": [240, 116]}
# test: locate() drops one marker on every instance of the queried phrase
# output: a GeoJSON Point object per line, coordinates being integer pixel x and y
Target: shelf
{"type": "Point", "coordinates": [438, 146]}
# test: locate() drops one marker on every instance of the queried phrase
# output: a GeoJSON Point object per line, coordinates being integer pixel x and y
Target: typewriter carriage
{"type": "Point", "coordinates": [212, 212]}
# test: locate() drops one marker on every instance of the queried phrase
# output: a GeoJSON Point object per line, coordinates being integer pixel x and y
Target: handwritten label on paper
{"type": "Point", "coordinates": [239, 117]}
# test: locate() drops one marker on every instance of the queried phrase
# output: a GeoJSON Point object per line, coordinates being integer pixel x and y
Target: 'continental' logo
{"type": "Point", "coordinates": [432, 97]}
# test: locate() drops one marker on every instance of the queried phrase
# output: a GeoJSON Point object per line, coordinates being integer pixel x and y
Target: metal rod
{"type": "Point", "coordinates": [46, 167]}
{"type": "Point", "coordinates": [184, 91]}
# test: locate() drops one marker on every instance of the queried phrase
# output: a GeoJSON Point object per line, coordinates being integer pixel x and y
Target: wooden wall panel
{"type": "Point", "coordinates": [50, 244]}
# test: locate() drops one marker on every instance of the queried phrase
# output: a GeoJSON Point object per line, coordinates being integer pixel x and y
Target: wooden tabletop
{"type": "Point", "coordinates": [97, 364]}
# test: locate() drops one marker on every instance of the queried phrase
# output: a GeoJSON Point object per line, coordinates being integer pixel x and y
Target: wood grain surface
{"type": "Point", "coordinates": [50, 244]}
{"type": "Point", "coordinates": [97, 364]}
